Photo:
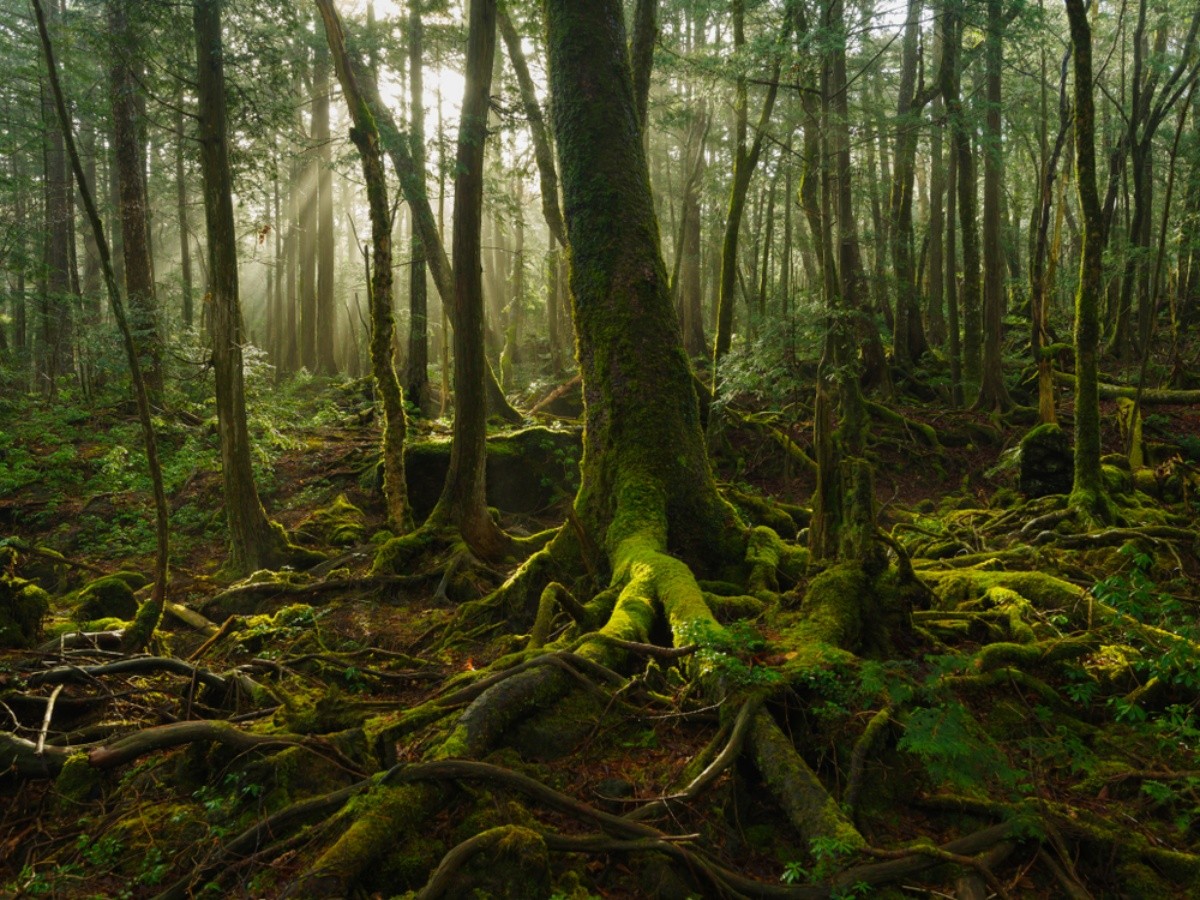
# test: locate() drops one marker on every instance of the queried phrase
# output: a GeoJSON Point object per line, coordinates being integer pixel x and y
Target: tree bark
{"type": "Point", "coordinates": [255, 541]}
{"type": "Point", "coordinates": [365, 135]}
{"type": "Point", "coordinates": [416, 376]}
{"type": "Point", "coordinates": [647, 485]}
{"type": "Point", "coordinates": [463, 504]}
{"type": "Point", "coordinates": [1088, 487]}
{"type": "Point", "coordinates": [326, 319]}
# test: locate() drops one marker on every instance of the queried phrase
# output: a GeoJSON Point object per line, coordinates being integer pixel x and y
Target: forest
{"type": "Point", "coordinates": [599, 448]}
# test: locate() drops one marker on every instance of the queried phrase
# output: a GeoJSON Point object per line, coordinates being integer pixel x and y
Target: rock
{"type": "Point", "coordinates": [23, 605]}
{"type": "Point", "coordinates": [107, 597]}
{"type": "Point", "coordinates": [1047, 465]}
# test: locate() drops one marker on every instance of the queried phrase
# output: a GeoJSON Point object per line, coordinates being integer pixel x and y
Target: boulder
{"type": "Point", "coordinates": [1047, 465]}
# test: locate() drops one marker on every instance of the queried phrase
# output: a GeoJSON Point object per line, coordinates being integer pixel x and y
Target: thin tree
{"type": "Point", "coordinates": [1087, 490]}
{"type": "Point", "coordinates": [255, 542]}
{"type": "Point", "coordinates": [138, 635]}
{"type": "Point", "coordinates": [365, 136]}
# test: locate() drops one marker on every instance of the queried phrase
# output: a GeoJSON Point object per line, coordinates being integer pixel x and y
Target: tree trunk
{"type": "Point", "coordinates": [326, 319]}
{"type": "Point", "coordinates": [992, 391]}
{"type": "Point", "coordinates": [1088, 488]}
{"type": "Point", "coordinates": [416, 378]}
{"type": "Point", "coordinates": [745, 160]}
{"type": "Point", "coordinates": [181, 198]}
{"type": "Point", "coordinates": [135, 232]}
{"type": "Point", "coordinates": [647, 486]}
{"type": "Point", "coordinates": [255, 541]}
{"type": "Point", "coordinates": [308, 245]}
{"type": "Point", "coordinates": [463, 504]}
{"type": "Point", "coordinates": [365, 136]}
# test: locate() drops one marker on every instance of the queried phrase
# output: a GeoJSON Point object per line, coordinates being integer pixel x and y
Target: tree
{"type": "Point", "coordinates": [416, 380]}
{"type": "Point", "coordinates": [1087, 491]}
{"type": "Point", "coordinates": [255, 542]}
{"type": "Point", "coordinates": [365, 135]}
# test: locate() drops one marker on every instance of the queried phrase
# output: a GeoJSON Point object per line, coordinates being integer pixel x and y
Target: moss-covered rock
{"type": "Point", "coordinates": [340, 524]}
{"type": "Point", "coordinates": [1046, 462]}
{"type": "Point", "coordinates": [23, 605]}
{"type": "Point", "coordinates": [107, 597]}
{"type": "Point", "coordinates": [527, 470]}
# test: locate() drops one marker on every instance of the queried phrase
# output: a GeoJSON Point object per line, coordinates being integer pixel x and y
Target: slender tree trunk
{"type": "Point", "coordinates": [326, 318]}
{"type": "Point", "coordinates": [135, 231]}
{"type": "Point", "coordinates": [181, 204]}
{"type": "Point", "coordinates": [992, 391]}
{"type": "Point", "coordinates": [416, 378]}
{"type": "Point", "coordinates": [744, 162]}
{"type": "Point", "coordinates": [308, 244]}
{"type": "Point", "coordinates": [365, 135]}
{"type": "Point", "coordinates": [1088, 487]}
{"type": "Point", "coordinates": [908, 343]}
{"type": "Point", "coordinates": [255, 541]}
{"type": "Point", "coordinates": [463, 503]}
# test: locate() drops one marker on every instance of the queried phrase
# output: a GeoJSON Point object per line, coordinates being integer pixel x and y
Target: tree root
{"type": "Point", "coordinates": [858, 758]}
{"type": "Point", "coordinates": [808, 805]}
{"type": "Point", "coordinates": [712, 771]}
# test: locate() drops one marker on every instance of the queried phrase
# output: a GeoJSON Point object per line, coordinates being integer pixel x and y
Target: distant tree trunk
{"type": "Point", "coordinates": [135, 232]}
{"type": "Point", "coordinates": [365, 135]}
{"type": "Point", "coordinates": [54, 308]}
{"type": "Point", "coordinates": [971, 285]}
{"type": "Point", "coordinates": [181, 200]}
{"type": "Point", "coordinates": [20, 340]}
{"type": "Point", "coordinates": [463, 504]}
{"type": "Point", "coordinates": [937, 230]}
{"type": "Point", "coordinates": [992, 391]}
{"type": "Point", "coordinates": [326, 318]}
{"type": "Point", "coordinates": [908, 342]}
{"type": "Point", "coordinates": [1088, 488]}
{"type": "Point", "coordinates": [416, 377]}
{"type": "Point", "coordinates": [691, 288]}
{"type": "Point", "coordinates": [255, 541]}
{"type": "Point", "coordinates": [308, 244]}
{"type": "Point", "coordinates": [291, 352]}
{"type": "Point", "coordinates": [745, 160]}
{"type": "Point", "coordinates": [950, 43]}
{"type": "Point", "coordinates": [140, 631]}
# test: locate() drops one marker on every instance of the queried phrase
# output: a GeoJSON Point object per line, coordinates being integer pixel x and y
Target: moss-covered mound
{"type": "Point", "coordinates": [340, 524]}
{"type": "Point", "coordinates": [1046, 463]}
{"type": "Point", "coordinates": [527, 470]}
{"type": "Point", "coordinates": [23, 605]}
{"type": "Point", "coordinates": [107, 597]}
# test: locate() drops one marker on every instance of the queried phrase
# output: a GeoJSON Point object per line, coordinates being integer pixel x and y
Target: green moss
{"type": "Point", "coordinates": [23, 605]}
{"type": "Point", "coordinates": [102, 598]}
{"type": "Point", "coordinates": [340, 524]}
{"type": "Point", "coordinates": [77, 782]}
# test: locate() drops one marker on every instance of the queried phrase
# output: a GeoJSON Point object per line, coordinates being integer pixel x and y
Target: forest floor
{"type": "Point", "coordinates": [1049, 684]}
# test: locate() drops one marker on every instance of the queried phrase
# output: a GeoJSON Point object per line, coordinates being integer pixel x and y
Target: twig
{"type": "Point", "coordinates": [41, 741]}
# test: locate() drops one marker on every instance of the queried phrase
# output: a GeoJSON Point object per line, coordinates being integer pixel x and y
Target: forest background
{"type": "Point", "coordinates": [405, 402]}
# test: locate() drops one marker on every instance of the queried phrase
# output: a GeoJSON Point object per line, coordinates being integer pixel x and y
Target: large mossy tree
{"type": "Point", "coordinates": [647, 488]}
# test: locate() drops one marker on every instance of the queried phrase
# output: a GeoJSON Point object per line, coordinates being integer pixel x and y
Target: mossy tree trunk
{"type": "Point", "coordinates": [908, 342]}
{"type": "Point", "coordinates": [416, 378]}
{"type": "Point", "coordinates": [647, 486]}
{"type": "Point", "coordinates": [1088, 487]}
{"type": "Point", "coordinates": [463, 503]}
{"type": "Point", "coordinates": [255, 542]}
{"type": "Point", "coordinates": [365, 136]}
